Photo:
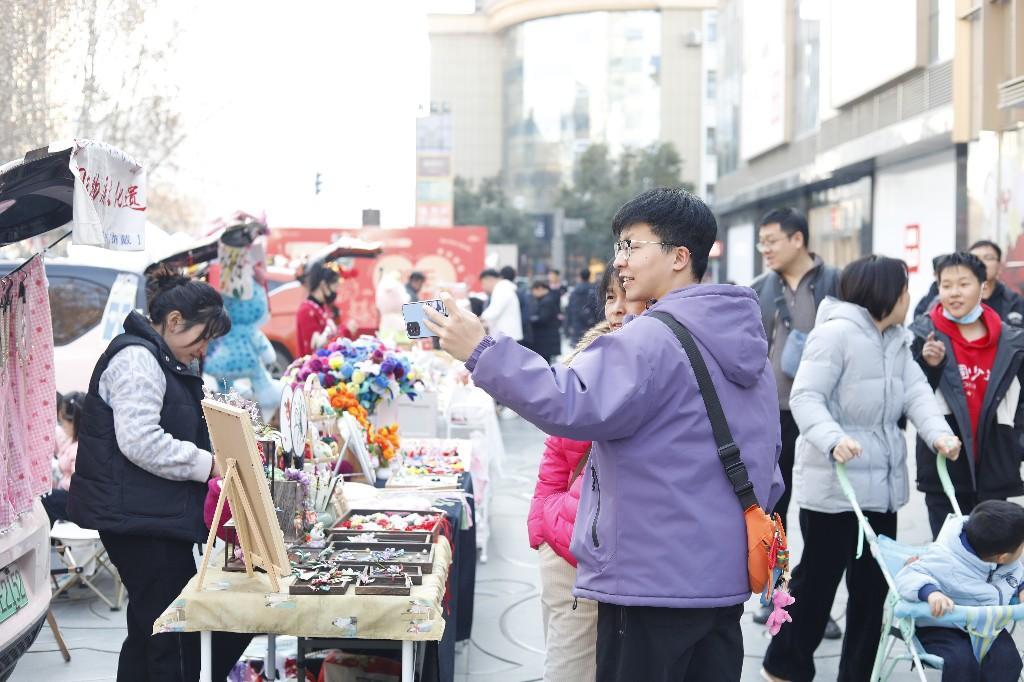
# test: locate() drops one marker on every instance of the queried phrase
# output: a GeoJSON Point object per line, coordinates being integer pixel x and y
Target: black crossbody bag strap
{"type": "Point", "coordinates": [728, 451]}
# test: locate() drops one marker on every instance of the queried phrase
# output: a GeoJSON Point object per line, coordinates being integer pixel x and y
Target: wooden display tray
{"type": "Point", "coordinates": [409, 541]}
{"type": "Point", "coordinates": [369, 512]}
{"type": "Point", "coordinates": [303, 587]}
{"type": "Point", "coordinates": [424, 562]}
{"type": "Point", "coordinates": [393, 587]}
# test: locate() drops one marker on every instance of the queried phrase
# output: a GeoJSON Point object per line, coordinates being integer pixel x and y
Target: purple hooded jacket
{"type": "Point", "coordinates": [658, 522]}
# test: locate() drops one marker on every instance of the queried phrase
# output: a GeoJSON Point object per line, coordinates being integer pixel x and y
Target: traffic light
{"type": "Point", "coordinates": [318, 183]}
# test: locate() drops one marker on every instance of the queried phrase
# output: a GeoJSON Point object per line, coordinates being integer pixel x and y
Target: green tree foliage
{"type": "Point", "coordinates": [487, 204]}
{"type": "Point", "coordinates": [601, 184]}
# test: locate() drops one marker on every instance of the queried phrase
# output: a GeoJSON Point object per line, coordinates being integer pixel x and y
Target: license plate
{"type": "Point", "coordinates": [12, 593]}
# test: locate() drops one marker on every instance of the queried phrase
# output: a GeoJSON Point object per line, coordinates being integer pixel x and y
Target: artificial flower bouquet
{"type": "Point", "coordinates": [367, 370]}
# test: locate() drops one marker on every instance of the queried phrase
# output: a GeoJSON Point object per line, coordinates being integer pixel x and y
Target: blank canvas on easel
{"type": "Point", "coordinates": [252, 508]}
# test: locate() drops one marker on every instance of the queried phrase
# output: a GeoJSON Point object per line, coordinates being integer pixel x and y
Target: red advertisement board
{"type": "Point", "coordinates": [445, 255]}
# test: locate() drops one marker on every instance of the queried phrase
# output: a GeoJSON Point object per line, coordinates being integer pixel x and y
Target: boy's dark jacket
{"type": "Point", "coordinates": [1000, 428]}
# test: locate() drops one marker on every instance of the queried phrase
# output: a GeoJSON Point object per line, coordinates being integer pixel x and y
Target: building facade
{"type": "Point", "coordinates": [882, 121]}
{"type": "Point", "coordinates": [532, 84]}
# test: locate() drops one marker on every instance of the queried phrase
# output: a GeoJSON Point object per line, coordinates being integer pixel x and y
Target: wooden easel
{"type": "Point", "coordinates": [242, 511]}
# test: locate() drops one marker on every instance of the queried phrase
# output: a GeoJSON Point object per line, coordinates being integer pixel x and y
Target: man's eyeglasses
{"type": "Point", "coordinates": [770, 244]}
{"type": "Point", "coordinates": [625, 247]}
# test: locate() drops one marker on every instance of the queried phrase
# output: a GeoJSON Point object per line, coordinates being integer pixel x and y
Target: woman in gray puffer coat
{"type": "Point", "coordinates": [857, 377]}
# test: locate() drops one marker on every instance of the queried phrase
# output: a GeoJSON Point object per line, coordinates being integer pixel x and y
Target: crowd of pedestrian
{"type": "Point", "coordinates": [642, 544]}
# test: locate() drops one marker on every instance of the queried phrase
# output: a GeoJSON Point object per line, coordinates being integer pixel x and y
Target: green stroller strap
{"type": "Point", "coordinates": [844, 484]}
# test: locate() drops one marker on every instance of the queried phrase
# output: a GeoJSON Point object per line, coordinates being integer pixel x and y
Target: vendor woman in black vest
{"type": "Point", "coordinates": [143, 463]}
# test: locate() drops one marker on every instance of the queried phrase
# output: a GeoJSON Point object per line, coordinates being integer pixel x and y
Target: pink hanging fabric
{"type": "Point", "coordinates": [27, 399]}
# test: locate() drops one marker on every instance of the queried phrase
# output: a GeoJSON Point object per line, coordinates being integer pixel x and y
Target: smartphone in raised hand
{"type": "Point", "coordinates": [414, 317]}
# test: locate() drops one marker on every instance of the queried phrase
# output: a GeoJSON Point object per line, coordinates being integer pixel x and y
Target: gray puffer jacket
{"type": "Point", "coordinates": [854, 381]}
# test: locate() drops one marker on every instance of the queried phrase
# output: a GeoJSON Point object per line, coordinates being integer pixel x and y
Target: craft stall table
{"type": "Point", "coordinates": [235, 602]}
{"type": "Point", "coordinates": [467, 410]}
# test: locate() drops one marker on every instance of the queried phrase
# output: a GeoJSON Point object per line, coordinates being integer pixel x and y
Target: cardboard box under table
{"type": "Point", "coordinates": [235, 602]}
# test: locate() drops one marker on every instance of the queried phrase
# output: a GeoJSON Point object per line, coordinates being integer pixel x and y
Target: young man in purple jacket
{"type": "Point", "coordinates": [659, 535]}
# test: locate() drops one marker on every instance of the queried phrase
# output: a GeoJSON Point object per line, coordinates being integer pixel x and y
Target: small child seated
{"type": "Point", "coordinates": [977, 566]}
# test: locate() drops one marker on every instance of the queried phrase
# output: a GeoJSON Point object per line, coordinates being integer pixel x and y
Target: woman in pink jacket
{"type": "Point", "coordinates": [570, 625]}
{"type": "Point", "coordinates": [69, 409]}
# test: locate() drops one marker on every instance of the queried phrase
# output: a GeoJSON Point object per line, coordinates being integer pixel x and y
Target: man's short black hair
{"type": "Point", "coordinates": [509, 273]}
{"type": "Point", "coordinates": [417, 276]}
{"type": "Point", "coordinates": [985, 243]}
{"type": "Point", "coordinates": [676, 217]}
{"type": "Point", "coordinates": [555, 272]}
{"type": "Point", "coordinates": [874, 282]}
{"type": "Point", "coordinates": [995, 527]}
{"type": "Point", "coordinates": [540, 284]}
{"type": "Point", "coordinates": [585, 275]}
{"type": "Point", "coordinates": [490, 272]}
{"type": "Point", "coordinates": [960, 259]}
{"type": "Point", "coordinates": [790, 221]}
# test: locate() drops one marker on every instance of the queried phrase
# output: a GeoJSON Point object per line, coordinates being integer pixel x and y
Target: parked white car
{"type": "Point", "coordinates": [24, 585]}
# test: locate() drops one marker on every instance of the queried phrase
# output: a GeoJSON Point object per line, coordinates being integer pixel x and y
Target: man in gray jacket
{"type": "Point", "coordinates": [790, 290]}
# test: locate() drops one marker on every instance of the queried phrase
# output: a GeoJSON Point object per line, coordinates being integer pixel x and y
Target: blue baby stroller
{"type": "Point", "coordinates": [899, 616]}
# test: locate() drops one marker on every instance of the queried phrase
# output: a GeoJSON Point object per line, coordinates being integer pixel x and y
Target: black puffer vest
{"type": "Point", "coordinates": [110, 493]}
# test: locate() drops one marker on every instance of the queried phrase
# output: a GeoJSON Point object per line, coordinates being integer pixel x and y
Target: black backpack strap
{"type": "Point", "coordinates": [728, 451]}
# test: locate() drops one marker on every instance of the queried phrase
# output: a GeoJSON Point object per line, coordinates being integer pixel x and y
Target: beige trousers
{"type": "Point", "coordinates": [570, 636]}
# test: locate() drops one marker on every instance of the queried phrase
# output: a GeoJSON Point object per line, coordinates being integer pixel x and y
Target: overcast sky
{"type": "Point", "coordinates": [275, 93]}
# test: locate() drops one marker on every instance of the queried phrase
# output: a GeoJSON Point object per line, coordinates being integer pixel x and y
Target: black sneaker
{"type": "Point", "coordinates": [832, 630]}
{"type": "Point", "coordinates": [761, 615]}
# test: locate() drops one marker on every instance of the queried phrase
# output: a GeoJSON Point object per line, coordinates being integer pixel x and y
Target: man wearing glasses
{"type": "Point", "coordinates": [1007, 304]}
{"type": "Point", "coordinates": [790, 290]}
{"type": "Point", "coordinates": [659, 535]}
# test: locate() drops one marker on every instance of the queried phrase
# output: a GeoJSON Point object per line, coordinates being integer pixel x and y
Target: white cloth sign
{"type": "Point", "coordinates": [109, 199]}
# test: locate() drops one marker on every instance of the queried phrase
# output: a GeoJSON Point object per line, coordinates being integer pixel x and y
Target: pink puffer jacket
{"type": "Point", "coordinates": [553, 509]}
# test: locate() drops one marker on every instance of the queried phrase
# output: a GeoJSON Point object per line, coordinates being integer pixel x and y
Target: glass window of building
{"type": "Point", "coordinates": [729, 74]}
{"type": "Point", "coordinates": [710, 140]}
{"type": "Point", "coordinates": [807, 65]}
{"type": "Point", "coordinates": [711, 87]}
{"type": "Point", "coordinates": [839, 221]}
{"type": "Point", "coordinates": [711, 31]}
{"type": "Point", "coordinates": [572, 81]}
{"type": "Point", "coordinates": [941, 25]}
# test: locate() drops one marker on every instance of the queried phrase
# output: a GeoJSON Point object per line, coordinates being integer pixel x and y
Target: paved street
{"type": "Point", "coordinates": [507, 644]}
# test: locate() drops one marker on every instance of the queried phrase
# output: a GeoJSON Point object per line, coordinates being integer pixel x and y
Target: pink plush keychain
{"type": "Point", "coordinates": [780, 600]}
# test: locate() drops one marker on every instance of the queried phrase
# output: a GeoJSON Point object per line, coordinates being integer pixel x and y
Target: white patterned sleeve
{"type": "Point", "coordinates": [133, 385]}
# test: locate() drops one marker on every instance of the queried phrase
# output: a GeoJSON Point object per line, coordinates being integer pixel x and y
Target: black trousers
{"type": "Point", "coordinates": [1002, 664]}
{"type": "Point", "coordinates": [56, 505]}
{"type": "Point", "coordinates": [790, 432]}
{"type": "Point", "coordinates": [154, 571]}
{"type": "Point", "coordinates": [830, 546]}
{"type": "Point", "coordinates": [656, 644]}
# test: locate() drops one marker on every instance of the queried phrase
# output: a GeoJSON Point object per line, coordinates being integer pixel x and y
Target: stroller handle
{"type": "Point", "coordinates": [942, 464]}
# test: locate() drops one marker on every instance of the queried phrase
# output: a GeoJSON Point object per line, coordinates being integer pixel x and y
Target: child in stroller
{"type": "Point", "coordinates": [974, 562]}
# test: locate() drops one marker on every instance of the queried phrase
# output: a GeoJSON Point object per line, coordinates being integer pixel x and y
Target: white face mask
{"type": "Point", "coordinates": [969, 318]}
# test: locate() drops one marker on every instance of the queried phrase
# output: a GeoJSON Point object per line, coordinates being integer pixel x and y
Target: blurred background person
{"type": "Point", "coordinates": [317, 318]}
{"type": "Point", "coordinates": [503, 314]}
{"type": "Point", "coordinates": [581, 311]}
{"type": "Point", "coordinates": [69, 412]}
{"type": "Point", "coordinates": [546, 337]}
{"type": "Point", "coordinates": [415, 285]}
